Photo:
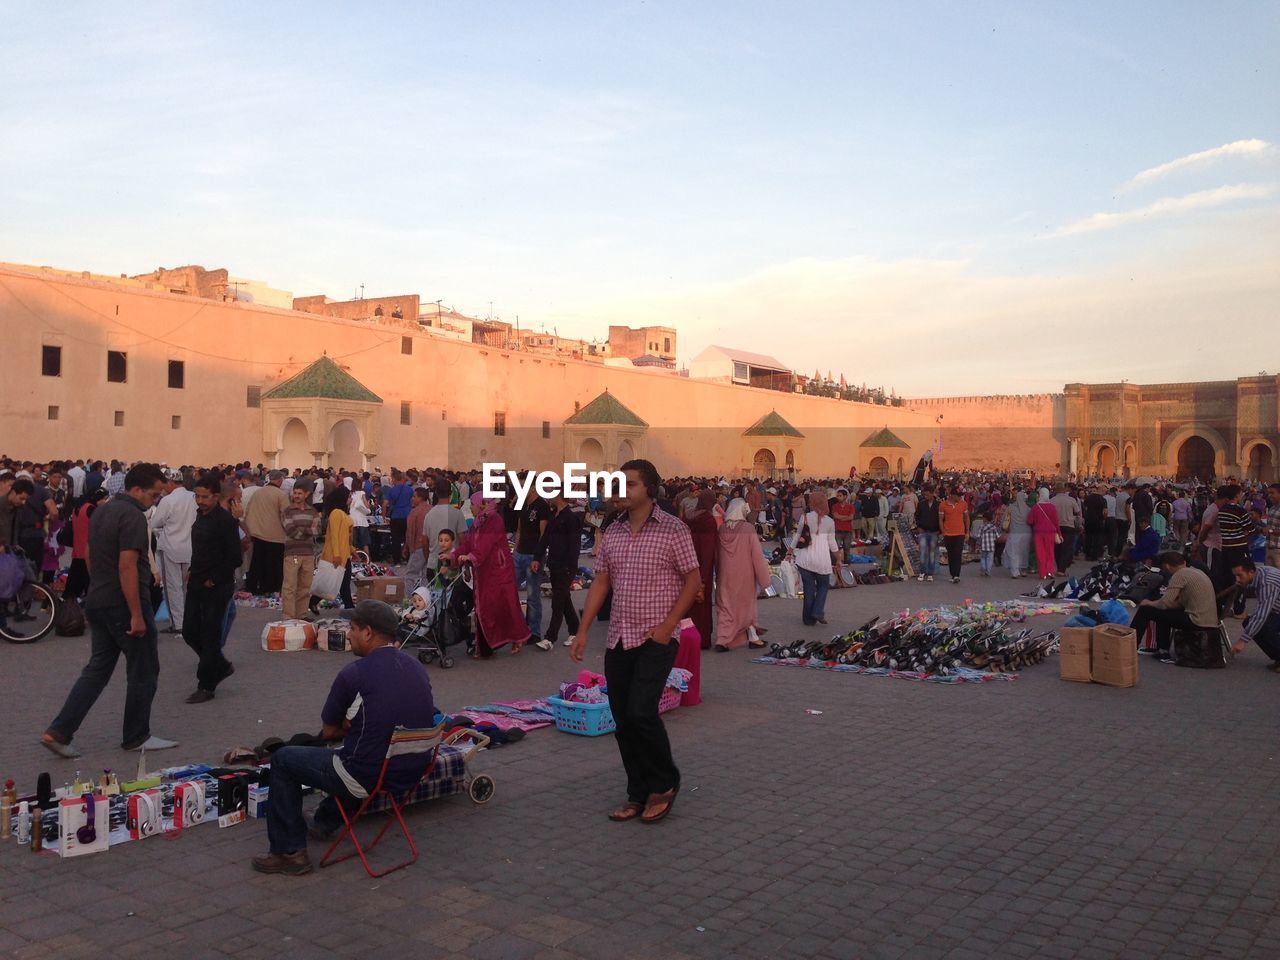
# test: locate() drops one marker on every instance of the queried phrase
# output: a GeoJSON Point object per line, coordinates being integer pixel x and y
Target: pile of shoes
{"type": "Point", "coordinates": [930, 644]}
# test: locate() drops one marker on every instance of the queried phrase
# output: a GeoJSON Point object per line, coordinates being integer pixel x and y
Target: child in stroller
{"type": "Point", "coordinates": [439, 617]}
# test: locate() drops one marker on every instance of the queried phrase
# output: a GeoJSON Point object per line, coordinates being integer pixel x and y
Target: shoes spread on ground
{"type": "Point", "coordinates": [153, 743]}
{"type": "Point", "coordinates": [289, 864]}
{"type": "Point", "coordinates": [545, 644]}
{"type": "Point", "coordinates": [200, 696]}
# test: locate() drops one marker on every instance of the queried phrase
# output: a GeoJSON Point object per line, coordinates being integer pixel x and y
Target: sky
{"type": "Point", "coordinates": [942, 199]}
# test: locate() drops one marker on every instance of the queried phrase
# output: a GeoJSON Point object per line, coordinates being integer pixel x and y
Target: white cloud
{"type": "Point", "coordinates": [1237, 148]}
{"type": "Point", "coordinates": [1169, 206]}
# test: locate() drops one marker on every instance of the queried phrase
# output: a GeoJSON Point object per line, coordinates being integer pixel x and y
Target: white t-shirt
{"type": "Point", "coordinates": [816, 558]}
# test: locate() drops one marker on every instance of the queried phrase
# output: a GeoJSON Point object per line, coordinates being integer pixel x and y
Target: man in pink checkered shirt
{"type": "Point", "coordinates": [648, 561]}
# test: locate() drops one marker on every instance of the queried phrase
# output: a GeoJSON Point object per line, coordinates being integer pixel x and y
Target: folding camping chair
{"type": "Point", "coordinates": [423, 742]}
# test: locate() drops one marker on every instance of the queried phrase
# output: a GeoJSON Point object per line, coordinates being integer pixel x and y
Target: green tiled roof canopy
{"type": "Point", "coordinates": [323, 380]}
{"type": "Point", "coordinates": [885, 438]}
{"type": "Point", "coordinates": [606, 408]}
{"type": "Point", "coordinates": [772, 424]}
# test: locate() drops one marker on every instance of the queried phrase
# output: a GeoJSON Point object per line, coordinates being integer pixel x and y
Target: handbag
{"type": "Point", "coordinates": [327, 580]}
{"type": "Point", "coordinates": [804, 538]}
{"type": "Point", "coordinates": [69, 620]}
{"type": "Point", "coordinates": [65, 537]}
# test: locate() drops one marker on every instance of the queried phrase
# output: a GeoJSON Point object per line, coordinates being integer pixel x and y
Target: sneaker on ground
{"type": "Point", "coordinates": [544, 644]}
{"type": "Point", "coordinates": [929, 578]}
{"type": "Point", "coordinates": [1147, 653]}
{"type": "Point", "coordinates": [568, 641]}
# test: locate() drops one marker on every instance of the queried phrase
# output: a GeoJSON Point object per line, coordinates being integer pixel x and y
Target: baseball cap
{"type": "Point", "coordinates": [376, 615]}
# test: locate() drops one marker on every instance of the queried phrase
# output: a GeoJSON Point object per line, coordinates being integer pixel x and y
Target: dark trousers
{"type": "Point", "coordinates": [561, 604]}
{"type": "Point", "coordinates": [202, 623]}
{"type": "Point", "coordinates": [1094, 536]}
{"type": "Point", "coordinates": [815, 586]}
{"type": "Point", "coordinates": [955, 553]}
{"type": "Point", "coordinates": [1165, 620]}
{"type": "Point", "coordinates": [77, 580]}
{"type": "Point", "coordinates": [291, 768]}
{"type": "Point", "coordinates": [1118, 533]}
{"type": "Point", "coordinates": [636, 680]}
{"type": "Point", "coordinates": [1064, 552]}
{"type": "Point", "coordinates": [398, 530]}
{"type": "Point", "coordinates": [1268, 638]}
{"type": "Point", "coordinates": [109, 637]}
{"type": "Point", "coordinates": [266, 569]}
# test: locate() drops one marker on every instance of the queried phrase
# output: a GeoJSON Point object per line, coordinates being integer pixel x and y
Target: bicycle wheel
{"type": "Point", "coordinates": [28, 616]}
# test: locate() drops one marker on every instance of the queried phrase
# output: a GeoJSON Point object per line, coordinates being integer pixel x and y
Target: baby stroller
{"type": "Point", "coordinates": [446, 624]}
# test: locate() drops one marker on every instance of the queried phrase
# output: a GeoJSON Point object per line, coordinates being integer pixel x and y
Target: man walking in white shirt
{"type": "Point", "coordinates": [171, 523]}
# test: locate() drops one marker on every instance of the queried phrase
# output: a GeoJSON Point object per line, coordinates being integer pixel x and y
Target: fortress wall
{"type": "Point", "coordinates": [998, 432]}
{"type": "Point", "coordinates": [453, 389]}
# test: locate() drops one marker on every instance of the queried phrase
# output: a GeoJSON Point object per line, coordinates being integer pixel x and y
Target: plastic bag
{"type": "Point", "coordinates": [790, 575]}
{"type": "Point", "coordinates": [1113, 611]}
{"type": "Point", "coordinates": [327, 581]}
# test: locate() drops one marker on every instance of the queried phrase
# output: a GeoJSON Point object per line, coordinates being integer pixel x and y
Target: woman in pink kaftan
{"type": "Point", "coordinates": [494, 574]}
{"type": "Point", "coordinates": [1044, 529]}
{"type": "Point", "coordinates": [741, 572]}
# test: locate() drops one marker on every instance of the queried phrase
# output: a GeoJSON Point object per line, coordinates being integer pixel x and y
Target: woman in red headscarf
{"type": "Point", "coordinates": [498, 612]}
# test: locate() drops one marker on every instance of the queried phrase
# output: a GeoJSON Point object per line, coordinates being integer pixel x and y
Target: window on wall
{"type": "Point", "coordinates": [406, 345]}
{"type": "Point", "coordinates": [119, 420]}
{"type": "Point", "coordinates": [500, 423]}
{"type": "Point", "coordinates": [406, 412]}
{"type": "Point", "coordinates": [546, 429]}
{"type": "Point", "coordinates": [51, 361]}
{"type": "Point", "coordinates": [117, 366]}
{"type": "Point", "coordinates": [177, 374]}
{"type": "Point", "coordinates": [666, 344]}
{"type": "Point", "coordinates": [53, 413]}
{"type": "Point", "coordinates": [175, 422]}
{"type": "Point", "coordinates": [444, 414]}
{"type": "Point", "coordinates": [253, 396]}
{"type": "Point", "coordinates": [739, 371]}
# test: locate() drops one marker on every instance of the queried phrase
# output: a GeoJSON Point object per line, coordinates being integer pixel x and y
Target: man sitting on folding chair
{"type": "Point", "coordinates": [383, 689]}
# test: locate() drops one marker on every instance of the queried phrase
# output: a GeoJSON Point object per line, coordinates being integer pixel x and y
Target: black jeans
{"type": "Point", "coordinates": [291, 768]}
{"type": "Point", "coordinates": [636, 679]}
{"type": "Point", "coordinates": [561, 604]}
{"type": "Point", "coordinates": [202, 621]}
{"type": "Point", "coordinates": [1165, 621]}
{"type": "Point", "coordinates": [1094, 535]}
{"type": "Point", "coordinates": [398, 530]}
{"type": "Point", "coordinates": [1064, 552]}
{"type": "Point", "coordinates": [266, 569]}
{"type": "Point", "coordinates": [955, 553]}
{"type": "Point", "coordinates": [108, 630]}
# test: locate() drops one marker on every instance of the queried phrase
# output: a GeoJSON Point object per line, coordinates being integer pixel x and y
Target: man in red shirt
{"type": "Point", "coordinates": [843, 512]}
{"type": "Point", "coordinates": [953, 517]}
{"type": "Point", "coordinates": [649, 563]}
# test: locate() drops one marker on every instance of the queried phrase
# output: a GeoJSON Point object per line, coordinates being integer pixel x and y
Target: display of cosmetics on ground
{"type": "Point", "coordinates": [87, 817]}
{"type": "Point", "coordinates": [949, 644]}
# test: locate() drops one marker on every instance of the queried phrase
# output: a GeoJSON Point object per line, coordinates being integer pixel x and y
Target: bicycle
{"type": "Point", "coordinates": [29, 614]}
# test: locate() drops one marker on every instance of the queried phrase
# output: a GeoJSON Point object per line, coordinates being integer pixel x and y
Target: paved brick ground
{"type": "Point", "coordinates": [1028, 819]}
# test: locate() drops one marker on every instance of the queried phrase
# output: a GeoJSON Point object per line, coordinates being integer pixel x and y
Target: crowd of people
{"type": "Point", "coordinates": [136, 538]}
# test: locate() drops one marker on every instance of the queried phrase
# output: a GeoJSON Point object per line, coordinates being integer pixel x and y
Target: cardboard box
{"type": "Point", "coordinates": [259, 797]}
{"type": "Point", "coordinates": [1115, 656]}
{"type": "Point", "coordinates": [1075, 654]}
{"type": "Point", "coordinates": [388, 589]}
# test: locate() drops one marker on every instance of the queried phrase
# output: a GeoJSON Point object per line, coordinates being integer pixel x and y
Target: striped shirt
{"type": "Point", "coordinates": [1234, 526]}
{"type": "Point", "coordinates": [1266, 584]}
{"type": "Point", "coordinates": [646, 571]}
